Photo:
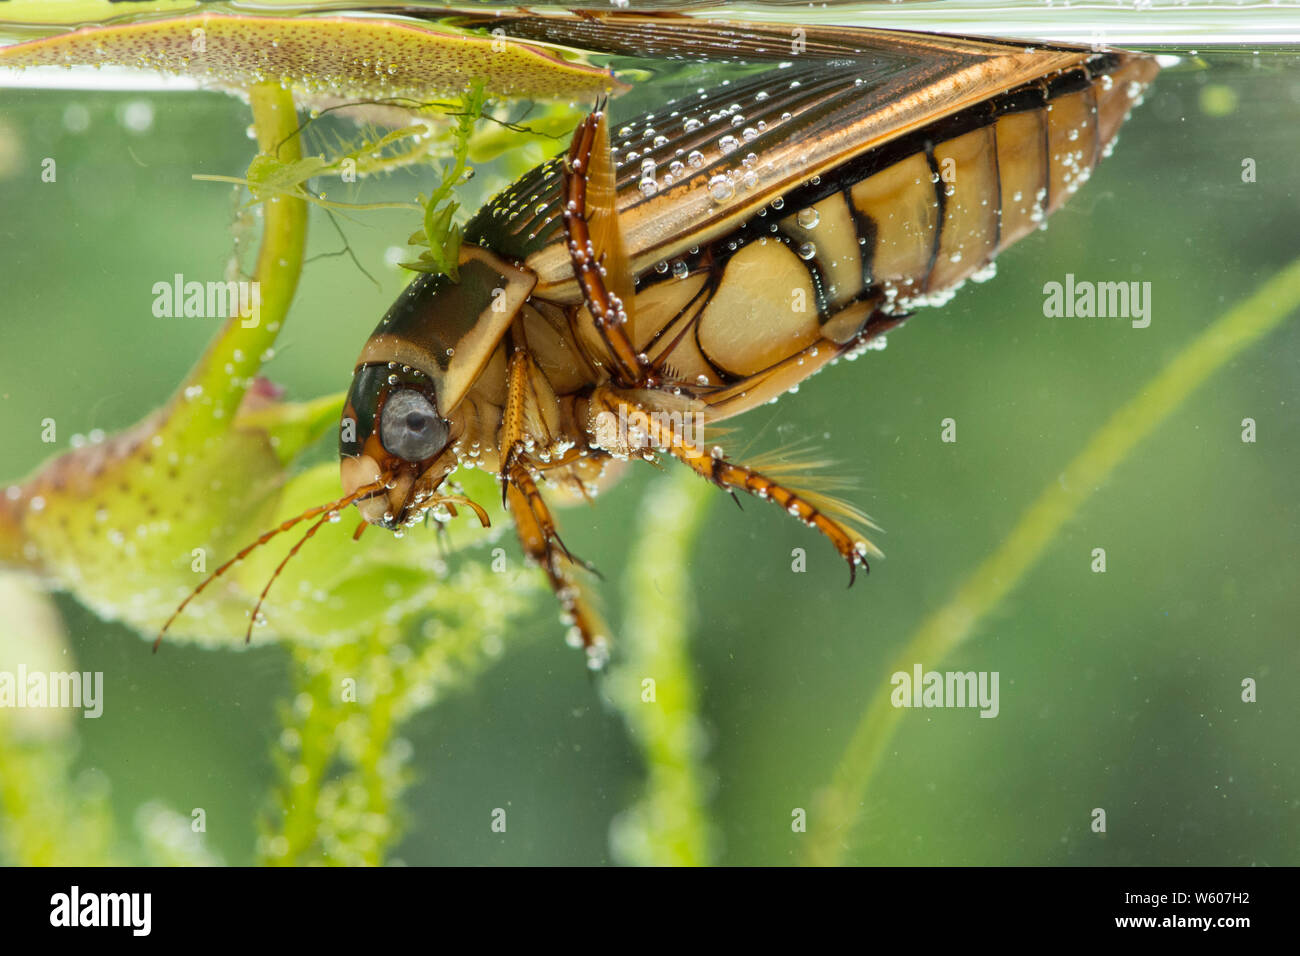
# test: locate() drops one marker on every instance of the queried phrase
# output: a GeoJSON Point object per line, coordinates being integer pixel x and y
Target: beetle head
{"type": "Point", "coordinates": [425, 355]}
{"type": "Point", "coordinates": [392, 429]}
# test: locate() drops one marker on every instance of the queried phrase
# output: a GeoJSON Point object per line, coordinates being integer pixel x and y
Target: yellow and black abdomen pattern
{"type": "Point", "coordinates": [894, 228]}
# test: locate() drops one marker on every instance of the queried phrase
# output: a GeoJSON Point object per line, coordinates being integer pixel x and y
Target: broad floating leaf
{"type": "Point", "coordinates": [327, 58]}
{"type": "Point", "coordinates": [82, 12]}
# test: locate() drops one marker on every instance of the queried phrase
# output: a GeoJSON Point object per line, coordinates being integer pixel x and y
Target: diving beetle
{"type": "Point", "coordinates": [710, 256]}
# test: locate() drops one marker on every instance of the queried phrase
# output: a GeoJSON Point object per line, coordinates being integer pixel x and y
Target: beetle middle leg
{"type": "Point", "coordinates": [527, 423]}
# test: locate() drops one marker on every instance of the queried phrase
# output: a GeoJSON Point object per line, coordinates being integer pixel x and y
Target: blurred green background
{"type": "Point", "coordinates": [1118, 690]}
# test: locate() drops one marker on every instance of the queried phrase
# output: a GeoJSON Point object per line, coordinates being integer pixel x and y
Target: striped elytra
{"type": "Point", "coordinates": [889, 228]}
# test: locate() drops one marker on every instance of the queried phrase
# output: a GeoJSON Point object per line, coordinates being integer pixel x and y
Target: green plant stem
{"type": "Point", "coordinates": [954, 622]}
{"type": "Point", "coordinates": [50, 819]}
{"type": "Point", "coordinates": [329, 824]}
{"type": "Point", "coordinates": [222, 375]}
{"type": "Point", "coordinates": [343, 765]}
{"type": "Point", "coordinates": [668, 826]}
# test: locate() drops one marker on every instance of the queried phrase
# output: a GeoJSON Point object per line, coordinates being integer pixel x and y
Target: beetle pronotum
{"type": "Point", "coordinates": [720, 251]}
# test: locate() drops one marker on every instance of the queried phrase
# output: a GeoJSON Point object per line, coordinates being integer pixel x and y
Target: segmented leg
{"type": "Point", "coordinates": [852, 547]}
{"type": "Point", "coordinates": [596, 249]}
{"type": "Point", "coordinates": [511, 435]}
{"type": "Point", "coordinates": [542, 544]}
{"type": "Point", "coordinates": [521, 422]}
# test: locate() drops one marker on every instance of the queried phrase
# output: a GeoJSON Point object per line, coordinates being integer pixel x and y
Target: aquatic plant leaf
{"type": "Point", "coordinates": [441, 234]}
{"type": "Point", "coordinates": [324, 60]}
{"type": "Point", "coordinates": [131, 525]}
{"type": "Point", "coordinates": [267, 175]}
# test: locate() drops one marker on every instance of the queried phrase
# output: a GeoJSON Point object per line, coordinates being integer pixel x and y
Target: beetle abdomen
{"type": "Point", "coordinates": [893, 228]}
{"type": "Point", "coordinates": [823, 201]}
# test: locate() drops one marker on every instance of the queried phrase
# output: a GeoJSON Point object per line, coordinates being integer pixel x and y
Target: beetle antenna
{"type": "Point", "coordinates": [283, 526]}
{"type": "Point", "coordinates": [257, 608]}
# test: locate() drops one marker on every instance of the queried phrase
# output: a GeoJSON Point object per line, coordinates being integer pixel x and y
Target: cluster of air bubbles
{"type": "Point", "coordinates": [647, 184]}
{"type": "Point", "coordinates": [598, 652]}
{"type": "Point", "coordinates": [723, 186]}
{"type": "Point", "coordinates": [934, 299]}
{"type": "Point", "coordinates": [875, 344]}
{"type": "Point", "coordinates": [1037, 213]}
{"type": "Point", "coordinates": [94, 437]}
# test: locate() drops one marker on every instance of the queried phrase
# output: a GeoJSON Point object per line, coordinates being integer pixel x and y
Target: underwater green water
{"type": "Point", "coordinates": [1119, 690]}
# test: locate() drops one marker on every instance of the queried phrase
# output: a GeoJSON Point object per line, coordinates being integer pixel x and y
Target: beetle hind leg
{"type": "Point", "coordinates": [852, 546]}
{"type": "Point", "coordinates": [809, 507]}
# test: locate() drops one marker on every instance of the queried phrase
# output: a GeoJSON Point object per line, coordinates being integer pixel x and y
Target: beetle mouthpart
{"type": "Point", "coordinates": [389, 509]}
{"type": "Point", "coordinates": [386, 505]}
{"type": "Point", "coordinates": [357, 473]}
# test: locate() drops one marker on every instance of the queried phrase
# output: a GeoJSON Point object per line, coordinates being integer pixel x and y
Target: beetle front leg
{"type": "Point", "coordinates": [710, 464]}
{"type": "Point", "coordinates": [596, 248]}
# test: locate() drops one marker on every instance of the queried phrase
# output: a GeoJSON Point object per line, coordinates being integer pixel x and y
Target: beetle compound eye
{"type": "Point", "coordinates": [411, 427]}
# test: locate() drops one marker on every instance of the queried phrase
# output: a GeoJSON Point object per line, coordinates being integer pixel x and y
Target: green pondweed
{"type": "Point", "coordinates": [980, 592]}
